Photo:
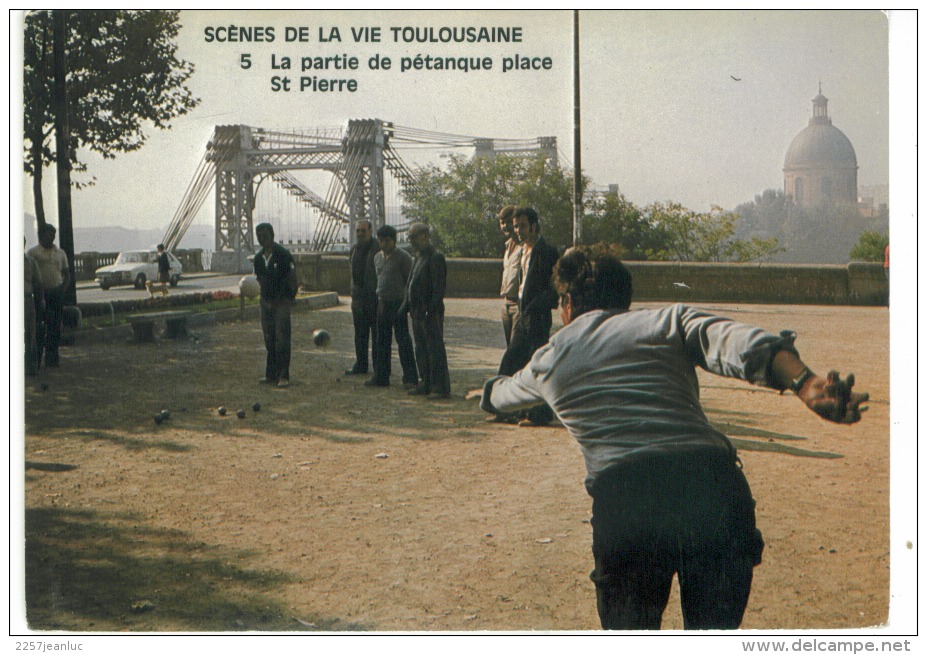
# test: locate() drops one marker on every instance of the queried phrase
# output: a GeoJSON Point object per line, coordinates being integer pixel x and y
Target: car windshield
{"type": "Point", "coordinates": [132, 258]}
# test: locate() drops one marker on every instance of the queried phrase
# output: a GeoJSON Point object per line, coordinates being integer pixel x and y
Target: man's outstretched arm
{"type": "Point", "coordinates": [828, 397]}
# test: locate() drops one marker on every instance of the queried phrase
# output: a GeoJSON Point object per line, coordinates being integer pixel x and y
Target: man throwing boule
{"type": "Point", "coordinates": [668, 493]}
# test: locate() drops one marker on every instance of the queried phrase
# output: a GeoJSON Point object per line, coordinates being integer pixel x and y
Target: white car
{"type": "Point", "coordinates": [136, 267]}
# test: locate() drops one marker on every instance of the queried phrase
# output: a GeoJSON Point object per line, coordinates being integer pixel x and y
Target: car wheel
{"type": "Point", "coordinates": [174, 280]}
{"type": "Point", "coordinates": [104, 286]}
{"type": "Point", "coordinates": [140, 281]}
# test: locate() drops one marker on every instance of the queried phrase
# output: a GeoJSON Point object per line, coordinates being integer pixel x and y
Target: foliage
{"type": "Point", "coordinates": [612, 218]}
{"type": "Point", "coordinates": [870, 247]}
{"type": "Point", "coordinates": [122, 74]}
{"type": "Point", "coordinates": [213, 299]}
{"type": "Point", "coordinates": [686, 235]}
{"type": "Point", "coordinates": [765, 216]}
{"type": "Point", "coordinates": [462, 201]}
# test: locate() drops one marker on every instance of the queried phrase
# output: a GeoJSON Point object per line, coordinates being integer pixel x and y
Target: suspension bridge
{"type": "Point", "coordinates": [276, 175]}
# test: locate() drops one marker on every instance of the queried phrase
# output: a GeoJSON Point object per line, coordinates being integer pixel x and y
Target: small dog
{"type": "Point", "coordinates": [156, 286]}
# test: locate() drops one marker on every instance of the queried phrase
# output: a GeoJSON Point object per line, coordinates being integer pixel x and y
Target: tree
{"type": "Point", "coordinates": [870, 247]}
{"type": "Point", "coordinates": [463, 200]}
{"type": "Point", "coordinates": [123, 74]}
{"type": "Point", "coordinates": [614, 219]}
{"type": "Point", "coordinates": [685, 235]}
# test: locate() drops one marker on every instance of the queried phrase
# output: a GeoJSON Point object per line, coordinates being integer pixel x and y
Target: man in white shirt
{"type": "Point", "coordinates": [511, 272]}
{"type": "Point", "coordinates": [54, 274]}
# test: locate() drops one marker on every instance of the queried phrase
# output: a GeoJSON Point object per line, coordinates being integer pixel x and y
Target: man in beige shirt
{"type": "Point", "coordinates": [53, 272]}
{"type": "Point", "coordinates": [511, 272]}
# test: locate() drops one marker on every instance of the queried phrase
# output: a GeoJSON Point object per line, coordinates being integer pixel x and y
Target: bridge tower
{"type": "Point", "coordinates": [234, 191]}
{"type": "Point", "coordinates": [364, 143]}
{"type": "Point", "coordinates": [243, 155]}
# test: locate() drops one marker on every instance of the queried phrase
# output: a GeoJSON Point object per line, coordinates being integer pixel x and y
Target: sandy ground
{"type": "Point", "coordinates": [341, 507]}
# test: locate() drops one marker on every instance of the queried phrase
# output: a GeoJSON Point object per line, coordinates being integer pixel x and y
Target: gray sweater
{"type": "Point", "coordinates": [392, 274]}
{"type": "Point", "coordinates": [625, 383]}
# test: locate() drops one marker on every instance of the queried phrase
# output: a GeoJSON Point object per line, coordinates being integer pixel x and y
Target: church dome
{"type": "Point", "coordinates": [820, 144]}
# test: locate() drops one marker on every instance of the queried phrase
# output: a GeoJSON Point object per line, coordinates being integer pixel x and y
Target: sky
{"type": "Point", "coordinates": [662, 116]}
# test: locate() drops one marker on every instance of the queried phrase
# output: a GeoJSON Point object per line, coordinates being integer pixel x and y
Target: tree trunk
{"type": "Point", "coordinates": [62, 154]}
{"type": "Point", "coordinates": [37, 180]}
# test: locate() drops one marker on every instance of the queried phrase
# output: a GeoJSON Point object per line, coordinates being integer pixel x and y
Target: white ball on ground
{"type": "Point", "coordinates": [249, 287]}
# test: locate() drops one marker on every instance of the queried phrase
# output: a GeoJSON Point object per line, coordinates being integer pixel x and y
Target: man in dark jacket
{"type": "Point", "coordinates": [164, 265]}
{"type": "Point", "coordinates": [276, 273]}
{"type": "Point", "coordinates": [536, 299]}
{"type": "Point", "coordinates": [363, 295]}
{"type": "Point", "coordinates": [424, 300]}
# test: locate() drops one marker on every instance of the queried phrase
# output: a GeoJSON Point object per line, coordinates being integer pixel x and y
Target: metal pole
{"type": "Point", "coordinates": [577, 141]}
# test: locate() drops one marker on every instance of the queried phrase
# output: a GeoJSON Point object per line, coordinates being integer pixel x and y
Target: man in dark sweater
{"type": "Point", "coordinates": [424, 300]}
{"type": "Point", "coordinates": [363, 295]}
{"type": "Point", "coordinates": [394, 265]}
{"type": "Point", "coordinates": [276, 273]}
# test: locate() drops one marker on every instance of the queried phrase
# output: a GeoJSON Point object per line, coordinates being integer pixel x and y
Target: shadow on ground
{"type": "Point", "coordinates": [88, 570]}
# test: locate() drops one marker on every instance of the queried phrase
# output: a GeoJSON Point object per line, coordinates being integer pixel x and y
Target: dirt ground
{"type": "Point", "coordinates": [341, 507]}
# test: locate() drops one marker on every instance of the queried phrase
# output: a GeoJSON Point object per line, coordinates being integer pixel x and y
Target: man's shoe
{"type": "Point", "coordinates": [501, 418]}
{"type": "Point", "coordinates": [355, 371]}
{"type": "Point", "coordinates": [373, 382]}
{"type": "Point", "coordinates": [267, 381]}
{"type": "Point", "coordinates": [528, 423]}
{"type": "Point", "coordinates": [419, 390]}
{"type": "Point", "coordinates": [439, 395]}
{"type": "Point", "coordinates": [283, 384]}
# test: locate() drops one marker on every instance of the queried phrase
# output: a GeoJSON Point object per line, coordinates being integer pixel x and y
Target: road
{"type": "Point", "coordinates": [89, 291]}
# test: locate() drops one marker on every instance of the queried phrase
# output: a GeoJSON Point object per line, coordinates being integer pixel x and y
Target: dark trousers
{"type": "Point", "coordinates": [509, 316]}
{"type": "Point", "coordinates": [529, 332]}
{"type": "Point", "coordinates": [275, 324]}
{"type": "Point", "coordinates": [364, 312]}
{"type": "Point", "coordinates": [689, 513]}
{"type": "Point", "coordinates": [29, 320]}
{"type": "Point", "coordinates": [430, 354]}
{"type": "Point", "coordinates": [390, 321]}
{"type": "Point", "coordinates": [48, 331]}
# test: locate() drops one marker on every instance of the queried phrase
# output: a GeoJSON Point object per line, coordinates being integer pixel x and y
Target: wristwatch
{"type": "Point", "coordinates": [799, 382]}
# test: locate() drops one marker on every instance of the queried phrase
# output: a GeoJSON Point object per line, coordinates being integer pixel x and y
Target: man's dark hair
{"type": "Point", "coordinates": [386, 232]}
{"type": "Point", "coordinates": [160, 246]}
{"type": "Point", "coordinates": [506, 213]}
{"type": "Point", "coordinates": [265, 227]}
{"type": "Point", "coordinates": [48, 228]}
{"type": "Point", "coordinates": [530, 212]}
{"type": "Point", "coordinates": [594, 277]}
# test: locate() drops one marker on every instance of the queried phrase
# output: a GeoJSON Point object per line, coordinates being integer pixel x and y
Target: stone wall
{"type": "Point", "coordinates": [857, 283]}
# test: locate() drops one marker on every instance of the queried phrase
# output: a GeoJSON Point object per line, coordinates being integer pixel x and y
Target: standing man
{"type": "Point", "coordinates": [424, 300]}
{"type": "Point", "coordinates": [34, 304]}
{"type": "Point", "coordinates": [393, 267]}
{"type": "Point", "coordinates": [536, 299]}
{"type": "Point", "coordinates": [511, 272]}
{"type": "Point", "coordinates": [668, 493]}
{"type": "Point", "coordinates": [54, 276]}
{"type": "Point", "coordinates": [276, 273]}
{"type": "Point", "coordinates": [363, 295]}
{"type": "Point", "coordinates": [164, 265]}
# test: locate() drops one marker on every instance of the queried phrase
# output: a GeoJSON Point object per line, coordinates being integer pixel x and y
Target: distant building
{"type": "Point", "coordinates": [873, 200]}
{"type": "Point", "coordinates": [820, 164]}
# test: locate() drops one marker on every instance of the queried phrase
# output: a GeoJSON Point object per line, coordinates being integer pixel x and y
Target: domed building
{"type": "Point", "coordinates": [820, 164]}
